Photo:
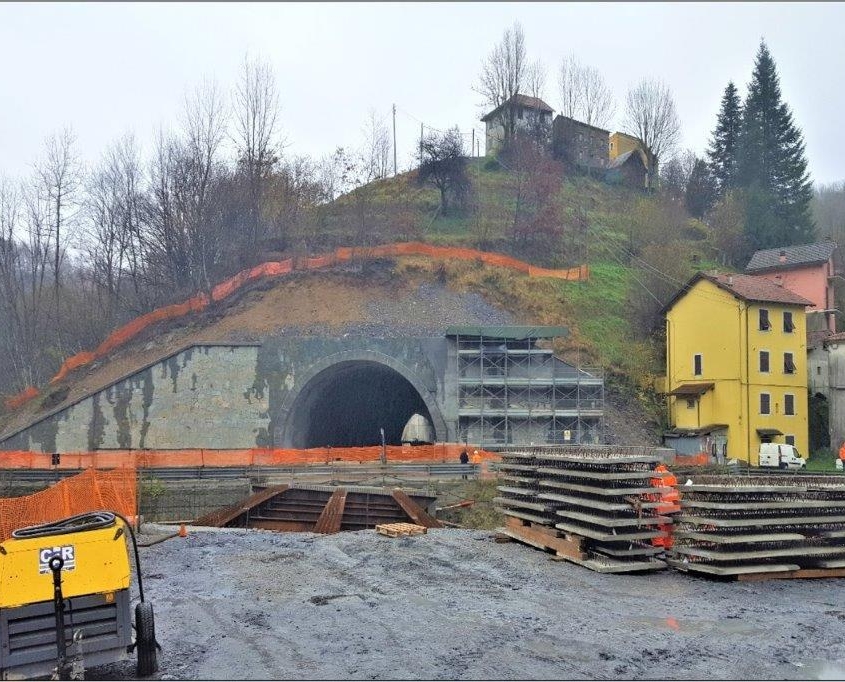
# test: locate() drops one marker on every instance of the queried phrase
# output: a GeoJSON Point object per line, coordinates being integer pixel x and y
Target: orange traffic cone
{"type": "Point", "coordinates": [183, 533]}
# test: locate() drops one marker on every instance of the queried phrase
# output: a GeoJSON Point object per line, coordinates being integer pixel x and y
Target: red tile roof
{"type": "Point", "coordinates": [753, 288]}
{"type": "Point", "coordinates": [745, 287]}
{"type": "Point", "coordinates": [522, 100]}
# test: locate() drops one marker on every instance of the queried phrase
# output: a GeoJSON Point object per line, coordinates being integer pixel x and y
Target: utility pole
{"type": "Point", "coordinates": [421, 142]}
{"type": "Point", "coordinates": [473, 142]}
{"type": "Point", "coordinates": [394, 140]}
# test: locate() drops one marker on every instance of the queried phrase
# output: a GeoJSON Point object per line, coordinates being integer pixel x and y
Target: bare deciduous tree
{"type": "Point", "coordinates": [504, 73]}
{"type": "Point", "coordinates": [112, 209]}
{"type": "Point", "coordinates": [59, 176]}
{"type": "Point", "coordinates": [375, 152]}
{"type": "Point", "coordinates": [204, 130]}
{"type": "Point", "coordinates": [584, 94]}
{"type": "Point", "coordinates": [651, 117]}
{"type": "Point", "coordinates": [256, 112]}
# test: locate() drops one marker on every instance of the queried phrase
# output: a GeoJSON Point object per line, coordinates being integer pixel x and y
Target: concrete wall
{"type": "Point", "coordinates": [234, 397]}
{"type": "Point", "coordinates": [203, 397]}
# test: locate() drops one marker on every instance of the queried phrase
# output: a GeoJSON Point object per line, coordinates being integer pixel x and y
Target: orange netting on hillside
{"type": "Point", "coordinates": [154, 459]}
{"type": "Point", "coordinates": [86, 492]}
{"type": "Point", "coordinates": [278, 268]}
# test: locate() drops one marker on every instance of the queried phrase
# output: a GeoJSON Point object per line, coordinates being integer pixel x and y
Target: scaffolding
{"type": "Point", "coordinates": [511, 391]}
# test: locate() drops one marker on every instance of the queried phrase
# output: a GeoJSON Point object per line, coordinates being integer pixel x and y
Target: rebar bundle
{"type": "Point", "coordinates": [740, 525]}
{"type": "Point", "coordinates": [609, 498]}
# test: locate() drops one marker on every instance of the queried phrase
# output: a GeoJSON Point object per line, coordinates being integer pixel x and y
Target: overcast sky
{"type": "Point", "coordinates": [106, 69]}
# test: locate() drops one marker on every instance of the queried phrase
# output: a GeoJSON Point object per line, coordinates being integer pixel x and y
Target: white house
{"type": "Point", "coordinates": [526, 112]}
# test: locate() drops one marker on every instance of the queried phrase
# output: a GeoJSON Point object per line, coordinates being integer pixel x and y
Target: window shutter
{"type": "Point", "coordinates": [788, 364]}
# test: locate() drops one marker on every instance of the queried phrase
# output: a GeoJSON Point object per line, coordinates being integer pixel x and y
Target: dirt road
{"type": "Point", "coordinates": [453, 604]}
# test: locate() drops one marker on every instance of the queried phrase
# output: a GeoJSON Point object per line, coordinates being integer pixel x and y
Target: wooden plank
{"type": "Point", "coordinates": [417, 514]}
{"type": "Point", "coordinates": [332, 516]}
{"type": "Point", "coordinates": [569, 547]}
{"type": "Point", "coordinates": [220, 517]}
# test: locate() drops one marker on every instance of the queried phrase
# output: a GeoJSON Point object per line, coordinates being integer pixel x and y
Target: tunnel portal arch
{"type": "Point", "coordinates": [343, 400]}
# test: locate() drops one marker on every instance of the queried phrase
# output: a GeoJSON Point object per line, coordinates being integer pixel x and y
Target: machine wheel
{"type": "Point", "coordinates": [145, 637]}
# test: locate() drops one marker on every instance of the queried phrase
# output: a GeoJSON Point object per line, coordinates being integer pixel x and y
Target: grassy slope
{"type": "Point", "coordinates": [596, 311]}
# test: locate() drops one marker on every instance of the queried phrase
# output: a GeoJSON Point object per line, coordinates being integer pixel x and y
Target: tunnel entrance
{"type": "Point", "coordinates": [346, 404]}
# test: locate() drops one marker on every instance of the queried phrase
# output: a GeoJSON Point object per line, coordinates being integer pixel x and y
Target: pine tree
{"type": "Point", "coordinates": [771, 165]}
{"type": "Point", "coordinates": [722, 153]}
{"type": "Point", "coordinates": [700, 191]}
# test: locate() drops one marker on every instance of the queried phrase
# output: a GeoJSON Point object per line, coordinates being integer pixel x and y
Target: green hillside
{"type": "Point", "coordinates": [640, 249]}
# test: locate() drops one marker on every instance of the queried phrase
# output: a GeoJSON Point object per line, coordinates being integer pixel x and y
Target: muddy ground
{"type": "Point", "coordinates": [453, 604]}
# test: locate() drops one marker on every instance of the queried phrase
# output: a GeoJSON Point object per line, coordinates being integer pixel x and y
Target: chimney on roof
{"type": "Point", "coordinates": [782, 256]}
{"type": "Point", "coordinates": [730, 280]}
{"type": "Point", "coordinates": [779, 280]}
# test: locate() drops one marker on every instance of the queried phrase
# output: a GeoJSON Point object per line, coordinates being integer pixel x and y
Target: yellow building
{"type": "Point", "coordinates": [620, 144]}
{"type": "Point", "coordinates": [736, 367]}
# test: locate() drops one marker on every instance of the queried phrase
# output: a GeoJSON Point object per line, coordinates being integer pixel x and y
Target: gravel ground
{"type": "Point", "coordinates": [453, 604]}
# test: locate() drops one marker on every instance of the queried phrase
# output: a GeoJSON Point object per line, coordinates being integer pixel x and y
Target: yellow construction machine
{"type": "Point", "coordinates": [65, 599]}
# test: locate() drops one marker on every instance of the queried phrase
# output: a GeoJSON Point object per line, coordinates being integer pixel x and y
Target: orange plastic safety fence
{"type": "Point", "coordinates": [154, 459]}
{"type": "Point", "coordinates": [278, 268]}
{"type": "Point", "coordinates": [15, 401]}
{"type": "Point", "coordinates": [88, 491]}
{"type": "Point", "coordinates": [701, 459]}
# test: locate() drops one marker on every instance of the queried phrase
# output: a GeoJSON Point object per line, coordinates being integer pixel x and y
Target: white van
{"type": "Point", "coordinates": [780, 456]}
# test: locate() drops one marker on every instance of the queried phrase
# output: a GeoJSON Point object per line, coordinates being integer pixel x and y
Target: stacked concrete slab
{"type": "Point", "coordinates": [603, 498]}
{"type": "Point", "coordinates": [776, 526]}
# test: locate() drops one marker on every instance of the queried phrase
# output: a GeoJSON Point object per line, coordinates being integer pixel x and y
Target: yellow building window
{"type": "Point", "coordinates": [789, 404]}
{"type": "Point", "coordinates": [764, 361]}
{"type": "Point", "coordinates": [788, 364]}
{"type": "Point", "coordinates": [696, 364]}
{"type": "Point", "coordinates": [765, 403]}
{"type": "Point", "coordinates": [765, 325]}
{"type": "Point", "coordinates": [788, 324]}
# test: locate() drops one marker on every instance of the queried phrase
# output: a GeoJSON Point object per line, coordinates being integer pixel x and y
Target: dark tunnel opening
{"type": "Point", "coordinates": [346, 405]}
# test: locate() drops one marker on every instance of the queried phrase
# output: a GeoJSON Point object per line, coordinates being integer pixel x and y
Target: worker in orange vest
{"type": "Point", "coordinates": [841, 463]}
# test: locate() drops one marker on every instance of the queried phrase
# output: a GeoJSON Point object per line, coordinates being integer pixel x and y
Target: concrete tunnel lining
{"type": "Point", "coordinates": [343, 401]}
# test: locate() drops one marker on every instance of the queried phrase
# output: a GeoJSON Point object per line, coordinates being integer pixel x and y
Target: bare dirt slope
{"type": "Point", "coordinates": [455, 605]}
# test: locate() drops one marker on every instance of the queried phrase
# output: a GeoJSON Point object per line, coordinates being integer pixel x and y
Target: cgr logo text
{"type": "Point", "coordinates": [66, 553]}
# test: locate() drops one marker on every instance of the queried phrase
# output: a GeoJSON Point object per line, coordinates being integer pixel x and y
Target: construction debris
{"type": "Point", "coordinates": [757, 527]}
{"type": "Point", "coordinates": [603, 507]}
{"type": "Point", "coordinates": [395, 530]}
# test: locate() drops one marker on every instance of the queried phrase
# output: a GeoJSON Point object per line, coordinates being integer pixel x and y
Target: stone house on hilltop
{"type": "Point", "coordinates": [579, 144]}
{"type": "Point", "coordinates": [526, 113]}
{"type": "Point", "coordinates": [620, 158]}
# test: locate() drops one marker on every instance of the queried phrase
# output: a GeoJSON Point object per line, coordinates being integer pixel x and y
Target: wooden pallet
{"type": "Point", "coordinates": [395, 530]}
{"type": "Point", "coordinates": [545, 538]}
{"type": "Point", "coordinates": [571, 547]}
